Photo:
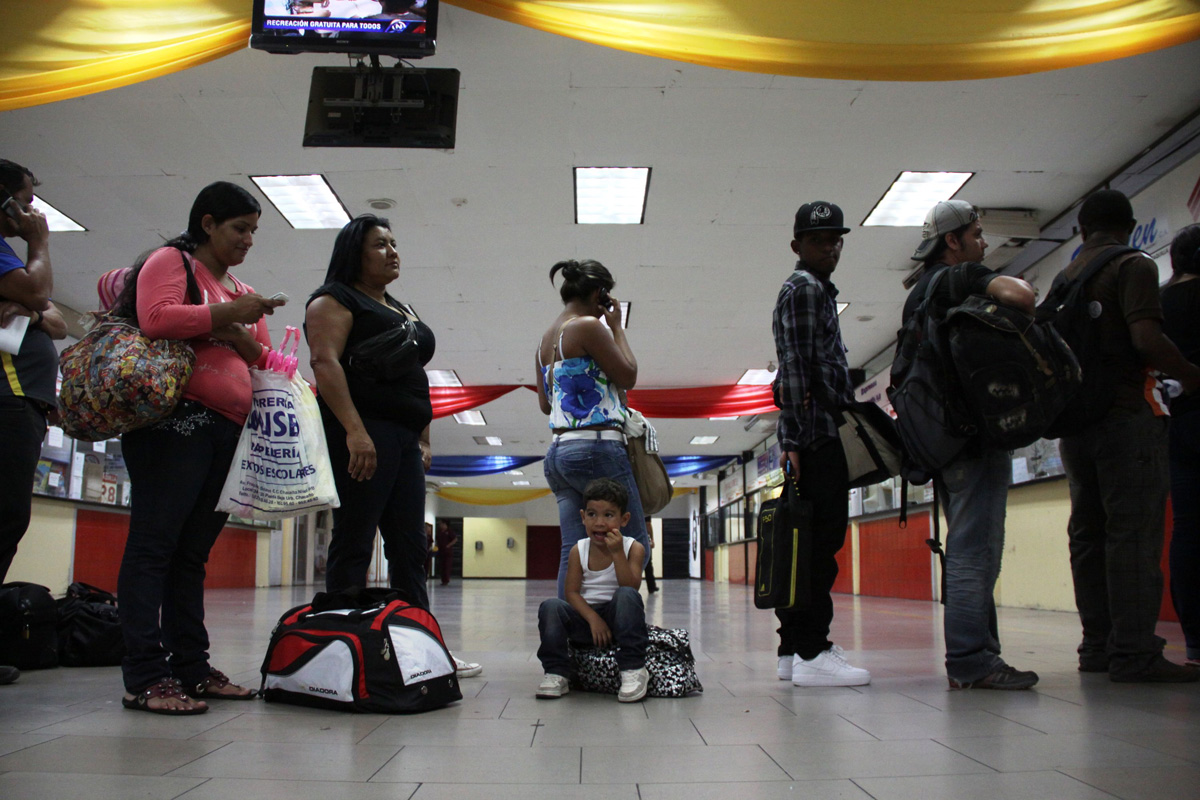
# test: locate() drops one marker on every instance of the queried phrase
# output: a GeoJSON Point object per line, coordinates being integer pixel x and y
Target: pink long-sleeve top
{"type": "Point", "coordinates": [221, 378]}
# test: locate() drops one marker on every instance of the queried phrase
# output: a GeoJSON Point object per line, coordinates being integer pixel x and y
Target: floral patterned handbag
{"type": "Point", "coordinates": [116, 379]}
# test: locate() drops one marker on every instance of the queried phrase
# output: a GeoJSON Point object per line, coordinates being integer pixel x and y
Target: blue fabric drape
{"type": "Point", "coordinates": [690, 465]}
{"type": "Point", "coordinates": [464, 466]}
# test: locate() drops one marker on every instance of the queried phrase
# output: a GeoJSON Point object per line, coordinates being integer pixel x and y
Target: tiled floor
{"type": "Point", "coordinates": [64, 735]}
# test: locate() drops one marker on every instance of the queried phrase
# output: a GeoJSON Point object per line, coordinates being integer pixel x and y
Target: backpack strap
{"type": "Point", "coordinates": [935, 543]}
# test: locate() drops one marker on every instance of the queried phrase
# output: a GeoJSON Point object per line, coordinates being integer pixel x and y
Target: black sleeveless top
{"type": "Point", "coordinates": [405, 400]}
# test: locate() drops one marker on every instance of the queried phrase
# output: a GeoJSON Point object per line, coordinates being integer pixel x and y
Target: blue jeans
{"type": "Point", "coordinates": [177, 468]}
{"type": "Point", "coordinates": [1117, 470]}
{"type": "Point", "coordinates": [559, 624]}
{"type": "Point", "coordinates": [569, 467]}
{"type": "Point", "coordinates": [1185, 535]}
{"type": "Point", "coordinates": [974, 490]}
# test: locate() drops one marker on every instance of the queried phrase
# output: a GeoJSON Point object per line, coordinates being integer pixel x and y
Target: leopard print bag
{"type": "Point", "coordinates": [668, 659]}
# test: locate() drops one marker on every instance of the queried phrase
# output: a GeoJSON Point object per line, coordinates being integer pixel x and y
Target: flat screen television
{"type": "Point", "coordinates": [393, 107]}
{"type": "Point", "coordinates": [400, 28]}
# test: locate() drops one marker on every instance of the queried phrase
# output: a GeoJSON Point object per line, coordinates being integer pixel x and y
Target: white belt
{"type": "Point", "coordinates": [596, 435]}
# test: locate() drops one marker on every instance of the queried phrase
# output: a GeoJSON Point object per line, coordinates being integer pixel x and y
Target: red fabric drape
{"type": "Point", "coordinates": [702, 401]}
{"type": "Point", "coordinates": [449, 400]}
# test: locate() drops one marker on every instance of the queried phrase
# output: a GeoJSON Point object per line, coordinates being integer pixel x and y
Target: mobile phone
{"type": "Point", "coordinates": [9, 203]}
{"type": "Point", "coordinates": [279, 296]}
{"type": "Point", "coordinates": [605, 300]}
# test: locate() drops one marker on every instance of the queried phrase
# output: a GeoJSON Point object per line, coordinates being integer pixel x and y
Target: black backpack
{"type": "Point", "coordinates": [931, 418]}
{"type": "Point", "coordinates": [28, 615]}
{"type": "Point", "coordinates": [1067, 309]}
{"type": "Point", "coordinates": [89, 628]}
{"type": "Point", "coordinates": [1017, 374]}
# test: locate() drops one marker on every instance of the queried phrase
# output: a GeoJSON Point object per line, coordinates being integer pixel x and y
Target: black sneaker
{"type": "Point", "coordinates": [1005, 677]}
{"type": "Point", "coordinates": [1160, 671]}
{"type": "Point", "coordinates": [9, 675]}
{"type": "Point", "coordinates": [1093, 662]}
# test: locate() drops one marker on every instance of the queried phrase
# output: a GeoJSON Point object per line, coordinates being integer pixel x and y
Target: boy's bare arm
{"type": "Point", "coordinates": [573, 588]}
{"type": "Point", "coordinates": [629, 569]}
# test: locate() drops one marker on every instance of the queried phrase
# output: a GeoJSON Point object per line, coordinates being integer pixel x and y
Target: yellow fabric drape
{"type": "Point", "coordinates": [490, 497]}
{"type": "Point", "coordinates": [58, 49]}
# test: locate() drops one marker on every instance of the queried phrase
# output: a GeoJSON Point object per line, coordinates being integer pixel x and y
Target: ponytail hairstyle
{"type": "Point", "coordinates": [1185, 251]}
{"type": "Point", "coordinates": [581, 279]}
{"type": "Point", "coordinates": [221, 200]}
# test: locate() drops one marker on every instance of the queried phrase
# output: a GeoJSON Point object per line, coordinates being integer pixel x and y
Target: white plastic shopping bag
{"type": "Point", "coordinates": [281, 468]}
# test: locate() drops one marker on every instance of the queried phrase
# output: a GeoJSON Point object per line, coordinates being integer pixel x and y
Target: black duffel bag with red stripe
{"type": "Point", "coordinates": [364, 650]}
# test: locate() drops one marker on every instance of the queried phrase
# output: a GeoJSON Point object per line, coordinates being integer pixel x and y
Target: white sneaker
{"type": "Point", "coordinates": [465, 669]}
{"type": "Point", "coordinates": [552, 687]}
{"type": "Point", "coordinates": [828, 669]}
{"type": "Point", "coordinates": [633, 685]}
{"type": "Point", "coordinates": [784, 668]}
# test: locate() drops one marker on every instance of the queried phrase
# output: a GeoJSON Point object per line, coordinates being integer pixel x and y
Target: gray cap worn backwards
{"type": "Point", "coordinates": [946, 216]}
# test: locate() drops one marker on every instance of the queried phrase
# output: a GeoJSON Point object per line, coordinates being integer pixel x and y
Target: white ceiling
{"type": "Point", "coordinates": [733, 155]}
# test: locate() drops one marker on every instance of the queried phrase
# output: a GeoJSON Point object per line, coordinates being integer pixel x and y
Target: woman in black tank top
{"type": "Point", "coordinates": [378, 431]}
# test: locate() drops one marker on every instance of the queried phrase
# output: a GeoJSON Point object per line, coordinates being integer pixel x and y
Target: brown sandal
{"type": "Point", "coordinates": [165, 689]}
{"type": "Point", "coordinates": [219, 680]}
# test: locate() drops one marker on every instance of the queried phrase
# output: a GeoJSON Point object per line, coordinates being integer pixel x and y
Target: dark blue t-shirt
{"type": "Point", "coordinates": [32, 372]}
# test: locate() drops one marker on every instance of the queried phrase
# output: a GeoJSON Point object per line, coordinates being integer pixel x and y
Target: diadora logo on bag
{"type": "Point", "coordinates": [420, 674]}
{"type": "Point", "coordinates": [322, 690]}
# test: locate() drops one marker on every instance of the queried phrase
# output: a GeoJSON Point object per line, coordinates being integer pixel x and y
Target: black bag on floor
{"type": "Point", "coordinates": [362, 650]}
{"type": "Point", "coordinates": [669, 661]}
{"type": "Point", "coordinates": [28, 619]}
{"type": "Point", "coordinates": [781, 572]}
{"type": "Point", "coordinates": [89, 629]}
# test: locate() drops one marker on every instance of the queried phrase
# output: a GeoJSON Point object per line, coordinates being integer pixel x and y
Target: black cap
{"type": "Point", "coordinates": [818, 216]}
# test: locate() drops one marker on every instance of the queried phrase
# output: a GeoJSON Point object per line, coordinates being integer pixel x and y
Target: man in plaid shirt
{"type": "Point", "coordinates": [813, 375]}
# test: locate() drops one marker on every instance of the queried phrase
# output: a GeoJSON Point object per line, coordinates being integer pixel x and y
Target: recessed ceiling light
{"type": "Point", "coordinates": [842, 307]}
{"type": "Point", "coordinates": [910, 197]}
{"type": "Point", "coordinates": [703, 439]}
{"type": "Point", "coordinates": [611, 195]}
{"type": "Point", "coordinates": [520, 483]}
{"type": "Point", "coordinates": [306, 201]}
{"type": "Point", "coordinates": [494, 441]}
{"type": "Point", "coordinates": [757, 377]}
{"type": "Point", "coordinates": [723, 419]}
{"type": "Point", "coordinates": [514, 472]}
{"type": "Point", "coordinates": [55, 219]}
{"type": "Point", "coordinates": [449, 483]}
{"type": "Point", "coordinates": [470, 418]}
{"type": "Point", "coordinates": [443, 377]}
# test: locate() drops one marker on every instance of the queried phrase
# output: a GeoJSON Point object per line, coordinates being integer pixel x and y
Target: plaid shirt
{"type": "Point", "coordinates": [808, 345]}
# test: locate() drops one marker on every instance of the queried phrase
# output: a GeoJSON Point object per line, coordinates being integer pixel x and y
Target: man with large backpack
{"type": "Point", "coordinates": [973, 485]}
{"type": "Point", "coordinates": [1116, 457]}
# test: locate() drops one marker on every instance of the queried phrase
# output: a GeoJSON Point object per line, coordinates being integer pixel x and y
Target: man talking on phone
{"type": "Point", "coordinates": [813, 375]}
{"type": "Point", "coordinates": [27, 376]}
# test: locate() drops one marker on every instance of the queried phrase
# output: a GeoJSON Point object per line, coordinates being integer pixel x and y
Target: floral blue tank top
{"type": "Point", "coordinates": [581, 395]}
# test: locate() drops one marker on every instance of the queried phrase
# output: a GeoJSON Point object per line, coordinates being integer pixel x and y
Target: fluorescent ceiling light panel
{"type": "Point", "coordinates": [443, 377]}
{"type": "Point", "coordinates": [306, 201]}
{"type": "Point", "coordinates": [611, 195]}
{"type": "Point", "coordinates": [757, 377]}
{"type": "Point", "coordinates": [514, 472]}
{"type": "Point", "coordinates": [520, 483]}
{"type": "Point", "coordinates": [55, 219]}
{"type": "Point", "coordinates": [911, 196]}
{"type": "Point", "coordinates": [703, 440]}
{"type": "Point", "coordinates": [842, 307]}
{"type": "Point", "coordinates": [494, 441]}
{"type": "Point", "coordinates": [723, 419]}
{"type": "Point", "coordinates": [449, 483]}
{"type": "Point", "coordinates": [470, 418]}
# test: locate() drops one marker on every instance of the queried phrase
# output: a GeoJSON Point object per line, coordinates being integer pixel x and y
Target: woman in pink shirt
{"type": "Point", "coordinates": [178, 466]}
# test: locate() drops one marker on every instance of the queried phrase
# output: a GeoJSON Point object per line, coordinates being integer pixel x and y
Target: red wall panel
{"type": "Point", "coordinates": [1167, 610]}
{"type": "Point", "coordinates": [844, 583]}
{"type": "Point", "coordinates": [100, 541]}
{"type": "Point", "coordinates": [543, 546]}
{"type": "Point", "coordinates": [894, 561]}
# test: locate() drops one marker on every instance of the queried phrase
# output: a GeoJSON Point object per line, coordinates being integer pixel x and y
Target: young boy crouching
{"type": "Point", "coordinates": [603, 606]}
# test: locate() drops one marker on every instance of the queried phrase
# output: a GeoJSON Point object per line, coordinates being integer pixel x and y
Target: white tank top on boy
{"type": "Point", "coordinates": [599, 587]}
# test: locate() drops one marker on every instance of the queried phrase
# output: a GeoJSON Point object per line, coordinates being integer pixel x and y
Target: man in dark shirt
{"type": "Point", "coordinates": [27, 377]}
{"type": "Point", "coordinates": [813, 374]}
{"type": "Point", "coordinates": [1117, 467]}
{"type": "Point", "coordinates": [974, 486]}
